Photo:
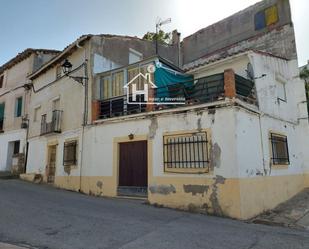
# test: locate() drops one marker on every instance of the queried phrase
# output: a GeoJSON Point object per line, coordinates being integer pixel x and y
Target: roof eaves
{"type": "Point", "coordinates": [59, 57]}
{"type": "Point", "coordinates": [23, 55]}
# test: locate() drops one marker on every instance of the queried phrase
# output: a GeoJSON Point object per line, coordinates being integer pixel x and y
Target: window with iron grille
{"type": "Point", "coordinates": [280, 151]}
{"type": "Point", "coordinates": [70, 153]}
{"type": "Point", "coordinates": [186, 152]}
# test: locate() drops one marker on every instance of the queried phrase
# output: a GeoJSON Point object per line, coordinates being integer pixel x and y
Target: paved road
{"type": "Point", "coordinates": [44, 217]}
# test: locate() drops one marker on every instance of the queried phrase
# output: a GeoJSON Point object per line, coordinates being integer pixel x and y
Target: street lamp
{"type": "Point", "coordinates": [66, 66]}
{"type": "Point", "coordinates": [67, 70]}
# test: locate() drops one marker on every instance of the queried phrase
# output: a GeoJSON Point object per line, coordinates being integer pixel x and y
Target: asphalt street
{"type": "Point", "coordinates": [40, 216]}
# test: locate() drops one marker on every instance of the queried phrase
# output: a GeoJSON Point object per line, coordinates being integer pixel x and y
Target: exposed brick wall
{"type": "Point", "coordinates": [95, 110]}
{"type": "Point", "coordinates": [229, 83]}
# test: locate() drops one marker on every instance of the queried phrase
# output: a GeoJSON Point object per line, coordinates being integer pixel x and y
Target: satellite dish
{"type": "Point", "coordinates": [250, 72]}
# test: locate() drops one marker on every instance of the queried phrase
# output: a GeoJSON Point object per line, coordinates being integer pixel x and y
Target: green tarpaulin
{"type": "Point", "coordinates": [166, 78]}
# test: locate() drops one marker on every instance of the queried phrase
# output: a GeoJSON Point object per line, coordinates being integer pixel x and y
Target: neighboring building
{"type": "Point", "coordinates": [60, 108]}
{"type": "Point", "coordinates": [14, 105]}
{"type": "Point", "coordinates": [224, 132]}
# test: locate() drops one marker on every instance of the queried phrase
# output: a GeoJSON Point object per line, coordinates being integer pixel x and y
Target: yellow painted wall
{"type": "Point", "coordinates": [236, 198]}
{"type": "Point", "coordinates": [263, 193]}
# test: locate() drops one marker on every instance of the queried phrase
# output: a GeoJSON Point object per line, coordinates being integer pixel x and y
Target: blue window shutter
{"type": "Point", "coordinates": [260, 20]}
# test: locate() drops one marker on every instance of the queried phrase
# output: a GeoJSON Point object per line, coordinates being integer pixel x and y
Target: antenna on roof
{"type": "Point", "coordinates": [158, 26]}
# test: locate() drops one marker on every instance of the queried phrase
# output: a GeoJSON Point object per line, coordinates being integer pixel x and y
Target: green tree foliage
{"type": "Point", "coordinates": [162, 37]}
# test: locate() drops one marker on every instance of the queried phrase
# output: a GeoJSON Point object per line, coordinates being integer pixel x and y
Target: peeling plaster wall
{"type": "Point", "coordinates": [4, 146]}
{"type": "Point", "coordinates": [216, 192]}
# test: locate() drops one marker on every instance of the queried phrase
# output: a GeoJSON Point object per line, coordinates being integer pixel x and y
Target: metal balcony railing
{"type": "Point", "coordinates": [204, 90]}
{"type": "Point", "coordinates": [54, 126]}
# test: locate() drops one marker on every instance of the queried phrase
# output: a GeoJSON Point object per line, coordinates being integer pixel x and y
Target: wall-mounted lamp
{"type": "Point", "coordinates": [67, 69]}
{"type": "Point", "coordinates": [131, 136]}
{"type": "Point", "coordinates": [66, 66]}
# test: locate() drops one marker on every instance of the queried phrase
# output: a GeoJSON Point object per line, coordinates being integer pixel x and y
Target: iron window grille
{"type": "Point", "coordinates": [280, 150]}
{"type": "Point", "coordinates": [186, 152]}
{"type": "Point", "coordinates": [69, 153]}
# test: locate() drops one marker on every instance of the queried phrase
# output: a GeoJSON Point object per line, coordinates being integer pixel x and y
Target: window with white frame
{"type": "Point", "coordinates": [36, 113]}
{"type": "Point", "coordinates": [134, 56]}
{"type": "Point", "coordinates": [281, 87]}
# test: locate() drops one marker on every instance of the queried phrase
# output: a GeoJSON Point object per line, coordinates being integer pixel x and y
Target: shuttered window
{"type": "Point", "coordinates": [186, 152]}
{"type": "Point", "coordinates": [70, 153]}
{"type": "Point", "coordinates": [280, 151]}
{"type": "Point", "coordinates": [18, 107]}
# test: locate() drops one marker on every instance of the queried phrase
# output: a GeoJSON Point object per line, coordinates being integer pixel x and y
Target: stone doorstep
{"type": "Point", "coordinates": [31, 177]}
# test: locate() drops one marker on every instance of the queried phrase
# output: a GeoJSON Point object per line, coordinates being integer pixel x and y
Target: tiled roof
{"type": "Point", "coordinates": [222, 54]}
{"type": "Point", "coordinates": [23, 55]}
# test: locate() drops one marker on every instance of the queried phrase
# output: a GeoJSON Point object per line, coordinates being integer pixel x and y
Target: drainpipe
{"type": "Point", "coordinates": [85, 116]}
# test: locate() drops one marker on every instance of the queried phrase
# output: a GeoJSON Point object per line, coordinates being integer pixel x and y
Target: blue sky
{"type": "Point", "coordinates": [54, 24]}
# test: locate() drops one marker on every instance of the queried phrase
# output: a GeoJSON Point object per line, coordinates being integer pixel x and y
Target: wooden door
{"type": "Point", "coordinates": [133, 164]}
{"type": "Point", "coordinates": [51, 167]}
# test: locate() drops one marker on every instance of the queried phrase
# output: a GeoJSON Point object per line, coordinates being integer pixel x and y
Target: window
{"type": "Point", "coordinates": [1, 80]}
{"type": "Point", "coordinates": [2, 108]}
{"type": "Point", "coordinates": [69, 153]}
{"type": "Point", "coordinates": [280, 151]}
{"type": "Point", "coordinates": [281, 91]}
{"type": "Point", "coordinates": [112, 85]}
{"type": "Point", "coordinates": [16, 147]}
{"type": "Point", "coordinates": [134, 56]}
{"type": "Point", "coordinates": [58, 72]}
{"type": "Point", "coordinates": [186, 153]}
{"type": "Point", "coordinates": [266, 17]}
{"type": "Point", "coordinates": [18, 106]}
{"type": "Point", "coordinates": [56, 104]}
{"type": "Point", "coordinates": [36, 113]}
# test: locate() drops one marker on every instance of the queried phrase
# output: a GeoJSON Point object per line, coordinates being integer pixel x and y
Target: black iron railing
{"type": "Point", "coordinates": [245, 88]}
{"type": "Point", "coordinates": [186, 151]}
{"type": "Point", "coordinates": [204, 90]}
{"type": "Point", "coordinates": [54, 126]}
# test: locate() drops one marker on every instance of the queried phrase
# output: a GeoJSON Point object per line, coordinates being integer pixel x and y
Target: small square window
{"type": "Point", "coordinates": [70, 153]}
{"type": "Point", "coordinates": [280, 151]}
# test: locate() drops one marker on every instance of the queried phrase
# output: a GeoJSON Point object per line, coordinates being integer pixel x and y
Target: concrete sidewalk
{"type": "Point", "coordinates": [294, 213]}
